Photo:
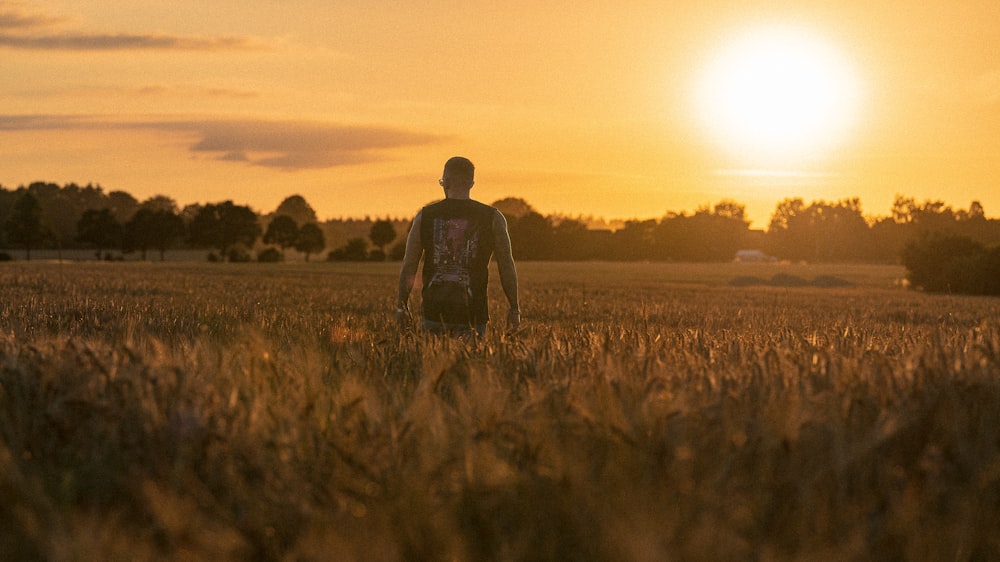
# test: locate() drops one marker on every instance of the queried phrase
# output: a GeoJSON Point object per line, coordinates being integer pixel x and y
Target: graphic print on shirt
{"type": "Point", "coordinates": [455, 245]}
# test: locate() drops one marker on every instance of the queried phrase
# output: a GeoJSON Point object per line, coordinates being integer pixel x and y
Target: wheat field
{"type": "Point", "coordinates": [643, 412]}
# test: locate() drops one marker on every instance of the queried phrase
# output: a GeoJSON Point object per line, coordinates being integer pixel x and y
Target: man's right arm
{"type": "Point", "coordinates": [408, 271]}
{"type": "Point", "coordinates": [505, 265]}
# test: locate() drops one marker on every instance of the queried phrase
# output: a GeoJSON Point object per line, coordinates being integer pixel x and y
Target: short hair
{"type": "Point", "coordinates": [460, 167]}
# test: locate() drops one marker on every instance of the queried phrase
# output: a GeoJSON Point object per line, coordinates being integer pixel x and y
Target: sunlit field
{"type": "Point", "coordinates": [644, 412]}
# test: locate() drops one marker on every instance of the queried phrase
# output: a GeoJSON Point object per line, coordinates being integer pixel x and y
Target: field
{"type": "Point", "coordinates": [644, 412]}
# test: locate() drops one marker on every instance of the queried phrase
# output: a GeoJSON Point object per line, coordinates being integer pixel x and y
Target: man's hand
{"type": "Point", "coordinates": [513, 320]}
{"type": "Point", "coordinates": [403, 318]}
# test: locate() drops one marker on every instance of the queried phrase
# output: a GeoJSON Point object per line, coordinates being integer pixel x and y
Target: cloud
{"type": "Point", "coordinates": [297, 145]}
{"type": "Point", "coordinates": [22, 30]}
{"type": "Point", "coordinates": [124, 41]}
{"type": "Point", "coordinates": [286, 145]}
{"type": "Point", "coordinates": [11, 17]}
{"type": "Point", "coordinates": [41, 122]}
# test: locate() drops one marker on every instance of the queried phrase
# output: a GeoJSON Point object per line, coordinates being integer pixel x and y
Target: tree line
{"type": "Point", "coordinates": [819, 231]}
{"type": "Point", "coordinates": [45, 215]}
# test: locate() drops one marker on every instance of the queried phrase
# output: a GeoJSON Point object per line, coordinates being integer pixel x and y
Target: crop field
{"type": "Point", "coordinates": [643, 412]}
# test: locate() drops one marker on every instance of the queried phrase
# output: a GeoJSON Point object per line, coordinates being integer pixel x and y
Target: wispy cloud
{"type": "Point", "coordinates": [124, 41]}
{"type": "Point", "coordinates": [13, 17]}
{"type": "Point", "coordinates": [286, 145]}
{"type": "Point", "coordinates": [296, 145]}
{"type": "Point", "coordinates": [21, 29]}
{"type": "Point", "coordinates": [185, 92]}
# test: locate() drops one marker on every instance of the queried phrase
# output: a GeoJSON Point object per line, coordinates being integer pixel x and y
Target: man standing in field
{"type": "Point", "coordinates": [456, 237]}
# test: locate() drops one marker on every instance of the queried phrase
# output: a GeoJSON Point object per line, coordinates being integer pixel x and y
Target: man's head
{"type": "Point", "coordinates": [459, 174]}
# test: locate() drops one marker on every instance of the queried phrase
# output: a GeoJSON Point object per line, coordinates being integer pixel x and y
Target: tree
{"type": "Point", "coordinates": [123, 205]}
{"type": "Point", "coordinates": [635, 240]}
{"type": "Point", "coordinates": [531, 237]}
{"type": "Point", "coordinates": [382, 233]}
{"type": "Point", "coordinates": [282, 231]}
{"type": "Point", "coordinates": [61, 210]}
{"type": "Point", "coordinates": [153, 228]}
{"type": "Point", "coordinates": [938, 262]}
{"type": "Point", "coordinates": [296, 207]}
{"type": "Point", "coordinates": [356, 249]}
{"type": "Point", "coordinates": [822, 231]}
{"type": "Point", "coordinates": [24, 226]}
{"type": "Point", "coordinates": [223, 226]}
{"type": "Point", "coordinates": [710, 234]}
{"type": "Point", "coordinates": [903, 209]}
{"type": "Point", "coordinates": [100, 228]}
{"type": "Point", "coordinates": [160, 203]}
{"type": "Point", "coordinates": [310, 239]}
{"type": "Point", "coordinates": [573, 239]}
{"type": "Point", "coordinates": [513, 207]}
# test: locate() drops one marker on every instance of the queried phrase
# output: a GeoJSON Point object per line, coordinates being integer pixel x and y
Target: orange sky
{"type": "Point", "coordinates": [579, 108]}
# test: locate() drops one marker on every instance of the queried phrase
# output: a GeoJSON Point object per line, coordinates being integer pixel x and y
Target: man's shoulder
{"type": "Point", "coordinates": [461, 204]}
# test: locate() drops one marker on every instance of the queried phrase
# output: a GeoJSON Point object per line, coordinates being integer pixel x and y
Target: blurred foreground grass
{"type": "Point", "coordinates": [643, 412]}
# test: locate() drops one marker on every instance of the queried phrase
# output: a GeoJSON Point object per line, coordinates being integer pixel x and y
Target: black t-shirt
{"type": "Point", "coordinates": [457, 238]}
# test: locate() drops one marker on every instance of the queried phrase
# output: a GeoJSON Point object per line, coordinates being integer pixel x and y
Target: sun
{"type": "Point", "coordinates": [773, 95]}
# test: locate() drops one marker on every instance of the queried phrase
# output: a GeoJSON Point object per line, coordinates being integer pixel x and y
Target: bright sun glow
{"type": "Point", "coordinates": [777, 94]}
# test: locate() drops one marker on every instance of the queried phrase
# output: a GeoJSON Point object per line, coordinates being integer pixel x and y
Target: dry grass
{"type": "Point", "coordinates": [646, 412]}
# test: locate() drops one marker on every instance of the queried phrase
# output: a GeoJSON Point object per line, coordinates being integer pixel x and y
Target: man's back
{"type": "Point", "coordinates": [457, 239]}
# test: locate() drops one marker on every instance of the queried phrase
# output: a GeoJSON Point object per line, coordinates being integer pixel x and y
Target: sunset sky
{"type": "Point", "coordinates": [617, 109]}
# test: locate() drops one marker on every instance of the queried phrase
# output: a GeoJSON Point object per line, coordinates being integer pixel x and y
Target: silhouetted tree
{"type": "Point", "coordinates": [356, 249]}
{"type": "Point", "coordinates": [571, 239]}
{"type": "Point", "coordinates": [382, 233]}
{"type": "Point", "coordinates": [710, 234]}
{"type": "Point", "coordinates": [939, 262]}
{"type": "Point", "coordinates": [153, 228]}
{"type": "Point", "coordinates": [160, 203]}
{"type": "Point", "coordinates": [283, 231]}
{"type": "Point", "coordinates": [930, 260]}
{"type": "Point", "coordinates": [24, 226]}
{"type": "Point", "coordinates": [398, 250]}
{"type": "Point", "coordinates": [310, 240]}
{"type": "Point", "coordinates": [296, 207]}
{"type": "Point", "coordinates": [100, 228]}
{"type": "Point", "coordinates": [635, 240]}
{"type": "Point", "coordinates": [821, 231]}
{"type": "Point", "coordinates": [788, 234]}
{"type": "Point", "coordinates": [8, 198]}
{"type": "Point", "coordinates": [513, 207]}
{"type": "Point", "coordinates": [60, 212]}
{"type": "Point", "coordinates": [531, 237]}
{"type": "Point", "coordinates": [223, 226]}
{"type": "Point", "coordinates": [123, 205]}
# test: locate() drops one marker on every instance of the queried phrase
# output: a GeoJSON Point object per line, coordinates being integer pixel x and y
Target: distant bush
{"type": "Point", "coordinates": [746, 281]}
{"type": "Point", "coordinates": [356, 249]}
{"type": "Point", "coordinates": [940, 263]}
{"type": "Point", "coordinates": [786, 280]}
{"type": "Point", "coordinates": [830, 281]}
{"type": "Point", "coordinates": [238, 255]}
{"type": "Point", "coordinates": [270, 255]}
{"type": "Point", "coordinates": [4, 256]}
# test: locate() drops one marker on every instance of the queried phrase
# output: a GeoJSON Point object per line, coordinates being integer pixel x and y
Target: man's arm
{"type": "Point", "coordinates": [505, 265]}
{"type": "Point", "coordinates": [408, 272]}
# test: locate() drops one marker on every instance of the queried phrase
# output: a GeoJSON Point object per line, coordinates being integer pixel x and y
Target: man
{"type": "Point", "coordinates": [456, 237]}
